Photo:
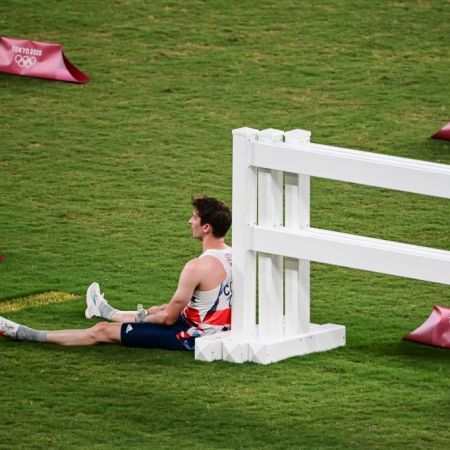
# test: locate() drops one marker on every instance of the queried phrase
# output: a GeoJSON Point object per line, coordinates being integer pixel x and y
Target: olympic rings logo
{"type": "Point", "coordinates": [25, 61]}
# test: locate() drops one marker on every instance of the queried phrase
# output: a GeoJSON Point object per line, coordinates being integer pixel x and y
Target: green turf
{"type": "Point", "coordinates": [95, 184]}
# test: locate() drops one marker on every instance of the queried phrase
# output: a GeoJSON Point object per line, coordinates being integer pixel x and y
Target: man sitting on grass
{"type": "Point", "coordinates": [201, 304]}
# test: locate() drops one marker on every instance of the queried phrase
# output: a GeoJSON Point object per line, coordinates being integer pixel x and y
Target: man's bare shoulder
{"type": "Point", "coordinates": [205, 262]}
{"type": "Point", "coordinates": [207, 272]}
{"type": "Point", "coordinates": [204, 267]}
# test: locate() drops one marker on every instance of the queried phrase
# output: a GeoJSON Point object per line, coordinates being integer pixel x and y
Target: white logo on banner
{"type": "Point", "coordinates": [25, 57]}
{"type": "Point", "coordinates": [27, 51]}
{"type": "Point", "coordinates": [25, 61]}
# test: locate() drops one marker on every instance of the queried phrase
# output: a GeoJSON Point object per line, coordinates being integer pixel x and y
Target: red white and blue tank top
{"type": "Point", "coordinates": [209, 312]}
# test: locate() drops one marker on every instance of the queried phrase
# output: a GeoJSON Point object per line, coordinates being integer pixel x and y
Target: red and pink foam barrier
{"type": "Point", "coordinates": [37, 59]}
{"type": "Point", "coordinates": [435, 330]}
{"type": "Point", "coordinates": [443, 133]}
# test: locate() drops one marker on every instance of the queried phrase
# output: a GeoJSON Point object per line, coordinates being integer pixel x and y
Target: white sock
{"type": "Point", "coordinates": [106, 310]}
{"type": "Point", "coordinates": [28, 334]}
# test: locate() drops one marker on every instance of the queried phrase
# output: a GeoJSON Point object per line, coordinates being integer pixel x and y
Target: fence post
{"type": "Point", "coordinates": [243, 316]}
{"type": "Point", "coordinates": [297, 271]}
{"type": "Point", "coordinates": [270, 267]}
{"type": "Point", "coordinates": [244, 214]}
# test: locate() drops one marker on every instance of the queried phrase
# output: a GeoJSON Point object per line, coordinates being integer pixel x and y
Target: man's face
{"type": "Point", "coordinates": [196, 226]}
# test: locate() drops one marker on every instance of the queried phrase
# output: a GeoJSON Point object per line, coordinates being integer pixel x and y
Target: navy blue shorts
{"type": "Point", "coordinates": [151, 335]}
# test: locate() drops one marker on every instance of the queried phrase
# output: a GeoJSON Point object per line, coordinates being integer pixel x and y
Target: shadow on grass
{"type": "Point", "coordinates": [404, 350]}
{"type": "Point", "coordinates": [432, 149]}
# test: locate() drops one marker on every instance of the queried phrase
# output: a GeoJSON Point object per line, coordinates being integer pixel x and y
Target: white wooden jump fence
{"type": "Point", "coordinates": [271, 212]}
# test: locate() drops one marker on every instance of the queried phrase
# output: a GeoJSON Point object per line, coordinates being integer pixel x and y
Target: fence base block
{"type": "Point", "coordinates": [238, 349]}
{"type": "Point", "coordinates": [209, 348]}
{"type": "Point", "coordinates": [320, 338]}
{"type": "Point", "coordinates": [225, 346]}
{"type": "Point", "coordinates": [235, 349]}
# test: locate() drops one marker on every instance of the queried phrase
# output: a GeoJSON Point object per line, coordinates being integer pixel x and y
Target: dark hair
{"type": "Point", "coordinates": [213, 212]}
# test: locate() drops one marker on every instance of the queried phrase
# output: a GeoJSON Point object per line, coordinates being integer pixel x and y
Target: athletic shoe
{"type": "Point", "coordinates": [8, 328]}
{"type": "Point", "coordinates": [93, 300]}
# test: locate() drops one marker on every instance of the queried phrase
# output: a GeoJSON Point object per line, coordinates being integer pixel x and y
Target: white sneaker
{"type": "Point", "coordinates": [93, 300]}
{"type": "Point", "coordinates": [8, 328]}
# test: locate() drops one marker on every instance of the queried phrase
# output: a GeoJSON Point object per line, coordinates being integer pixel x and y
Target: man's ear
{"type": "Point", "coordinates": [207, 228]}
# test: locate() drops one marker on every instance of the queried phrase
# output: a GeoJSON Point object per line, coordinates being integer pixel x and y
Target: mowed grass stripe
{"type": "Point", "coordinates": [36, 300]}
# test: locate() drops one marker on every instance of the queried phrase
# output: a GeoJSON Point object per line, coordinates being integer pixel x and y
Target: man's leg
{"type": "Point", "coordinates": [101, 333]}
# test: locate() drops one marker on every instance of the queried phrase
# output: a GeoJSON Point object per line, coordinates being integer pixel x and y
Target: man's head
{"type": "Point", "coordinates": [210, 216]}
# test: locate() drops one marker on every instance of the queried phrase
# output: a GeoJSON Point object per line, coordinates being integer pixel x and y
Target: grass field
{"type": "Point", "coordinates": [95, 184]}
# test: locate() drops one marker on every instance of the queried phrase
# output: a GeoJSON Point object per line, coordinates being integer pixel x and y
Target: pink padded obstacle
{"type": "Point", "coordinates": [37, 59]}
{"type": "Point", "coordinates": [443, 133]}
{"type": "Point", "coordinates": [435, 330]}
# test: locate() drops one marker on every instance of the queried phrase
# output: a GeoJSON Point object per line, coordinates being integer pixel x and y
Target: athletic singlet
{"type": "Point", "coordinates": [209, 311]}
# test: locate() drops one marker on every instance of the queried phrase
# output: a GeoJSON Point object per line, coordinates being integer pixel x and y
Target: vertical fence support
{"type": "Point", "coordinates": [244, 259]}
{"type": "Point", "coordinates": [270, 267]}
{"type": "Point", "coordinates": [297, 271]}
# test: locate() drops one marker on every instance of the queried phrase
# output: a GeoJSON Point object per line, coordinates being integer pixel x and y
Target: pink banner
{"type": "Point", "coordinates": [37, 59]}
{"type": "Point", "coordinates": [443, 133]}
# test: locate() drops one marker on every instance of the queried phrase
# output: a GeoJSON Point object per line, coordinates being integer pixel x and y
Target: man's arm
{"type": "Point", "coordinates": [189, 280]}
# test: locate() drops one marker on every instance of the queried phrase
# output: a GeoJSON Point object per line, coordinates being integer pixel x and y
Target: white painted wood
{"type": "Point", "coordinates": [297, 271]}
{"type": "Point", "coordinates": [294, 137]}
{"type": "Point", "coordinates": [356, 252]}
{"type": "Point", "coordinates": [270, 136]}
{"type": "Point", "coordinates": [297, 200]}
{"type": "Point", "coordinates": [270, 295]}
{"type": "Point", "coordinates": [270, 267]}
{"type": "Point", "coordinates": [355, 166]}
{"type": "Point", "coordinates": [320, 338]}
{"type": "Point", "coordinates": [235, 349]}
{"type": "Point", "coordinates": [209, 348]}
{"type": "Point", "coordinates": [297, 296]}
{"type": "Point", "coordinates": [244, 215]}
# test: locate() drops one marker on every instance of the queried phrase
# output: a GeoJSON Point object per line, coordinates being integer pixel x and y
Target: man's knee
{"type": "Point", "coordinates": [104, 332]}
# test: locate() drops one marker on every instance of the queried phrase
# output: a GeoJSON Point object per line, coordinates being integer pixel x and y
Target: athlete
{"type": "Point", "coordinates": [201, 304]}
